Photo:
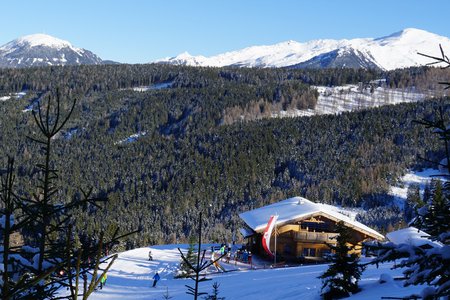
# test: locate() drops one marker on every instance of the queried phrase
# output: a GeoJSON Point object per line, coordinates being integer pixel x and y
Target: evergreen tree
{"type": "Point", "coordinates": [51, 251]}
{"type": "Point", "coordinates": [423, 265]}
{"type": "Point", "coordinates": [215, 293]}
{"type": "Point", "coordinates": [433, 218]}
{"type": "Point", "coordinates": [15, 279]}
{"type": "Point", "coordinates": [199, 265]}
{"type": "Point", "coordinates": [413, 201]}
{"type": "Point", "coordinates": [185, 270]}
{"type": "Point", "coordinates": [342, 276]}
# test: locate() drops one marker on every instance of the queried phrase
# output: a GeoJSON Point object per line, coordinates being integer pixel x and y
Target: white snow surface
{"type": "Point", "coordinates": [411, 236]}
{"type": "Point", "coordinates": [131, 138]}
{"type": "Point", "coordinates": [39, 39]}
{"type": "Point", "coordinates": [421, 178]}
{"type": "Point", "coordinates": [397, 50]}
{"type": "Point", "coordinates": [294, 208]}
{"type": "Point", "coordinates": [351, 97]}
{"type": "Point", "coordinates": [130, 278]}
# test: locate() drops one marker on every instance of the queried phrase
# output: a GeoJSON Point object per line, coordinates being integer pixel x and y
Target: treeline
{"type": "Point", "coordinates": [186, 158]}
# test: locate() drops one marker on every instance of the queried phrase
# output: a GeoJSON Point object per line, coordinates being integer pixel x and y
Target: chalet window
{"type": "Point", "coordinates": [309, 251]}
{"type": "Point", "coordinates": [326, 252]}
{"type": "Point", "coordinates": [316, 226]}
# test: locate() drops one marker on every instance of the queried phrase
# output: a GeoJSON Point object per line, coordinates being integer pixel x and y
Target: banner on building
{"type": "Point", "coordinates": [268, 234]}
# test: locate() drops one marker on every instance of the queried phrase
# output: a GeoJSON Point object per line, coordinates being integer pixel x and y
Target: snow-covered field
{"type": "Point", "coordinates": [131, 138]}
{"type": "Point", "coordinates": [153, 87]}
{"type": "Point", "coordinates": [13, 95]}
{"type": "Point", "coordinates": [131, 278]}
{"type": "Point", "coordinates": [420, 178]}
{"type": "Point", "coordinates": [335, 100]}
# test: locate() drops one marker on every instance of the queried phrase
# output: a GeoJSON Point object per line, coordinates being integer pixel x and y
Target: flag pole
{"type": "Point", "coordinates": [275, 256]}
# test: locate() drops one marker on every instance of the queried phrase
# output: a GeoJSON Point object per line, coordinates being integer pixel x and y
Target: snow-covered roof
{"type": "Point", "coordinates": [298, 208]}
{"type": "Point", "coordinates": [246, 232]}
{"type": "Point", "coordinates": [411, 236]}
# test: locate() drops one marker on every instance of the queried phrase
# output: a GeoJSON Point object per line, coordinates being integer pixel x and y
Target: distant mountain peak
{"type": "Point", "coordinates": [41, 39]}
{"type": "Point", "coordinates": [397, 50]}
{"type": "Point", "coordinates": [44, 50]}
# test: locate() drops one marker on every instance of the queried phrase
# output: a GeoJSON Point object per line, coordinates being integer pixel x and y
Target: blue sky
{"type": "Point", "coordinates": [139, 31]}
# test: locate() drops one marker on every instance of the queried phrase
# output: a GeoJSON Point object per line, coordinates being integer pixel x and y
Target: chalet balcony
{"type": "Point", "coordinates": [315, 237]}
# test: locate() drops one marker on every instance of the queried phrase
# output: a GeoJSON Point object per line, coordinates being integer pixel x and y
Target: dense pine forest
{"type": "Point", "coordinates": [163, 141]}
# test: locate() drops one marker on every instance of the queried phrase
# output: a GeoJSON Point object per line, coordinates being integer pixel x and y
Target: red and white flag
{"type": "Point", "coordinates": [268, 234]}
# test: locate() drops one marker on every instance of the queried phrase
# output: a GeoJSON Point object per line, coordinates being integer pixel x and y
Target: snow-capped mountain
{"type": "Point", "coordinates": [397, 50]}
{"type": "Point", "coordinates": [44, 50]}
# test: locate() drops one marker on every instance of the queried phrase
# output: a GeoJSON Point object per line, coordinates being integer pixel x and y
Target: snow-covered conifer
{"type": "Point", "coordinates": [341, 278]}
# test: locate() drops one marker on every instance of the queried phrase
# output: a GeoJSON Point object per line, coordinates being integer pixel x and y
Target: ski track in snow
{"type": "Point", "coordinates": [131, 278]}
{"type": "Point", "coordinates": [336, 100]}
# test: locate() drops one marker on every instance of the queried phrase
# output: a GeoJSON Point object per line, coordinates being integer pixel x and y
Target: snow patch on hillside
{"type": "Point", "coordinates": [132, 138]}
{"type": "Point", "coordinates": [13, 95]}
{"type": "Point", "coordinates": [153, 87]}
{"type": "Point", "coordinates": [420, 178]}
{"type": "Point", "coordinates": [335, 100]}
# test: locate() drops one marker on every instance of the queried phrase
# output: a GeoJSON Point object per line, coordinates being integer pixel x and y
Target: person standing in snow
{"type": "Point", "coordinates": [228, 257]}
{"type": "Point", "coordinates": [150, 257]}
{"type": "Point", "coordinates": [103, 280]}
{"type": "Point", "coordinates": [156, 277]}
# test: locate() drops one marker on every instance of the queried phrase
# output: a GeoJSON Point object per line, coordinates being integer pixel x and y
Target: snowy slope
{"type": "Point", "coordinates": [351, 97]}
{"type": "Point", "coordinates": [411, 236]}
{"type": "Point", "coordinates": [131, 277]}
{"type": "Point", "coordinates": [421, 178]}
{"type": "Point", "coordinates": [397, 50]}
{"type": "Point", "coordinates": [43, 50]}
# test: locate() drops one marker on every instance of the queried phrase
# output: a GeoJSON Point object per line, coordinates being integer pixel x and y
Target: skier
{"type": "Point", "coordinates": [103, 280]}
{"type": "Point", "coordinates": [216, 263]}
{"type": "Point", "coordinates": [228, 257]}
{"type": "Point", "coordinates": [155, 279]}
{"type": "Point", "coordinates": [150, 257]}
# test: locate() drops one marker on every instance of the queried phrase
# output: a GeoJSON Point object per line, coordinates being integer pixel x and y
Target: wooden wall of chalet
{"type": "Point", "coordinates": [302, 239]}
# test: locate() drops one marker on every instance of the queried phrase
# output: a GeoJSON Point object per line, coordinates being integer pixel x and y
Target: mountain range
{"type": "Point", "coordinates": [398, 50]}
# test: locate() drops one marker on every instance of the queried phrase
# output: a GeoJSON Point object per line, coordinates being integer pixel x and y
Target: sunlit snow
{"type": "Point", "coordinates": [335, 100]}
{"type": "Point", "coordinates": [397, 50]}
{"type": "Point", "coordinates": [131, 138]}
{"type": "Point", "coordinates": [131, 278]}
{"type": "Point", "coordinates": [421, 178]}
{"type": "Point", "coordinates": [39, 39]}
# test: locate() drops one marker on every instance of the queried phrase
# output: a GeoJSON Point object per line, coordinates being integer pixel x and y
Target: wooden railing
{"type": "Point", "coordinates": [320, 237]}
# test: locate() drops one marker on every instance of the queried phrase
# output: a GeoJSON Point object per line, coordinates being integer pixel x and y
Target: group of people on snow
{"type": "Point", "coordinates": [155, 277]}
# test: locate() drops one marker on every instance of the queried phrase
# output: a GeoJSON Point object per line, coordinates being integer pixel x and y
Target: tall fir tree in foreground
{"type": "Point", "coordinates": [49, 258]}
{"type": "Point", "coordinates": [429, 265]}
{"type": "Point", "coordinates": [341, 278]}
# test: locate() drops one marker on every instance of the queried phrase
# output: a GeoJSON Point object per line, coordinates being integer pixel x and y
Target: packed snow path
{"type": "Point", "coordinates": [131, 278]}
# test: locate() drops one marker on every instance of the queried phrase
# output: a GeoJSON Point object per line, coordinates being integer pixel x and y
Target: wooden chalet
{"type": "Point", "coordinates": [303, 229]}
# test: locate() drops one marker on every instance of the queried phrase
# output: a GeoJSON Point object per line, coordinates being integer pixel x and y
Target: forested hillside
{"type": "Point", "coordinates": [161, 140]}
